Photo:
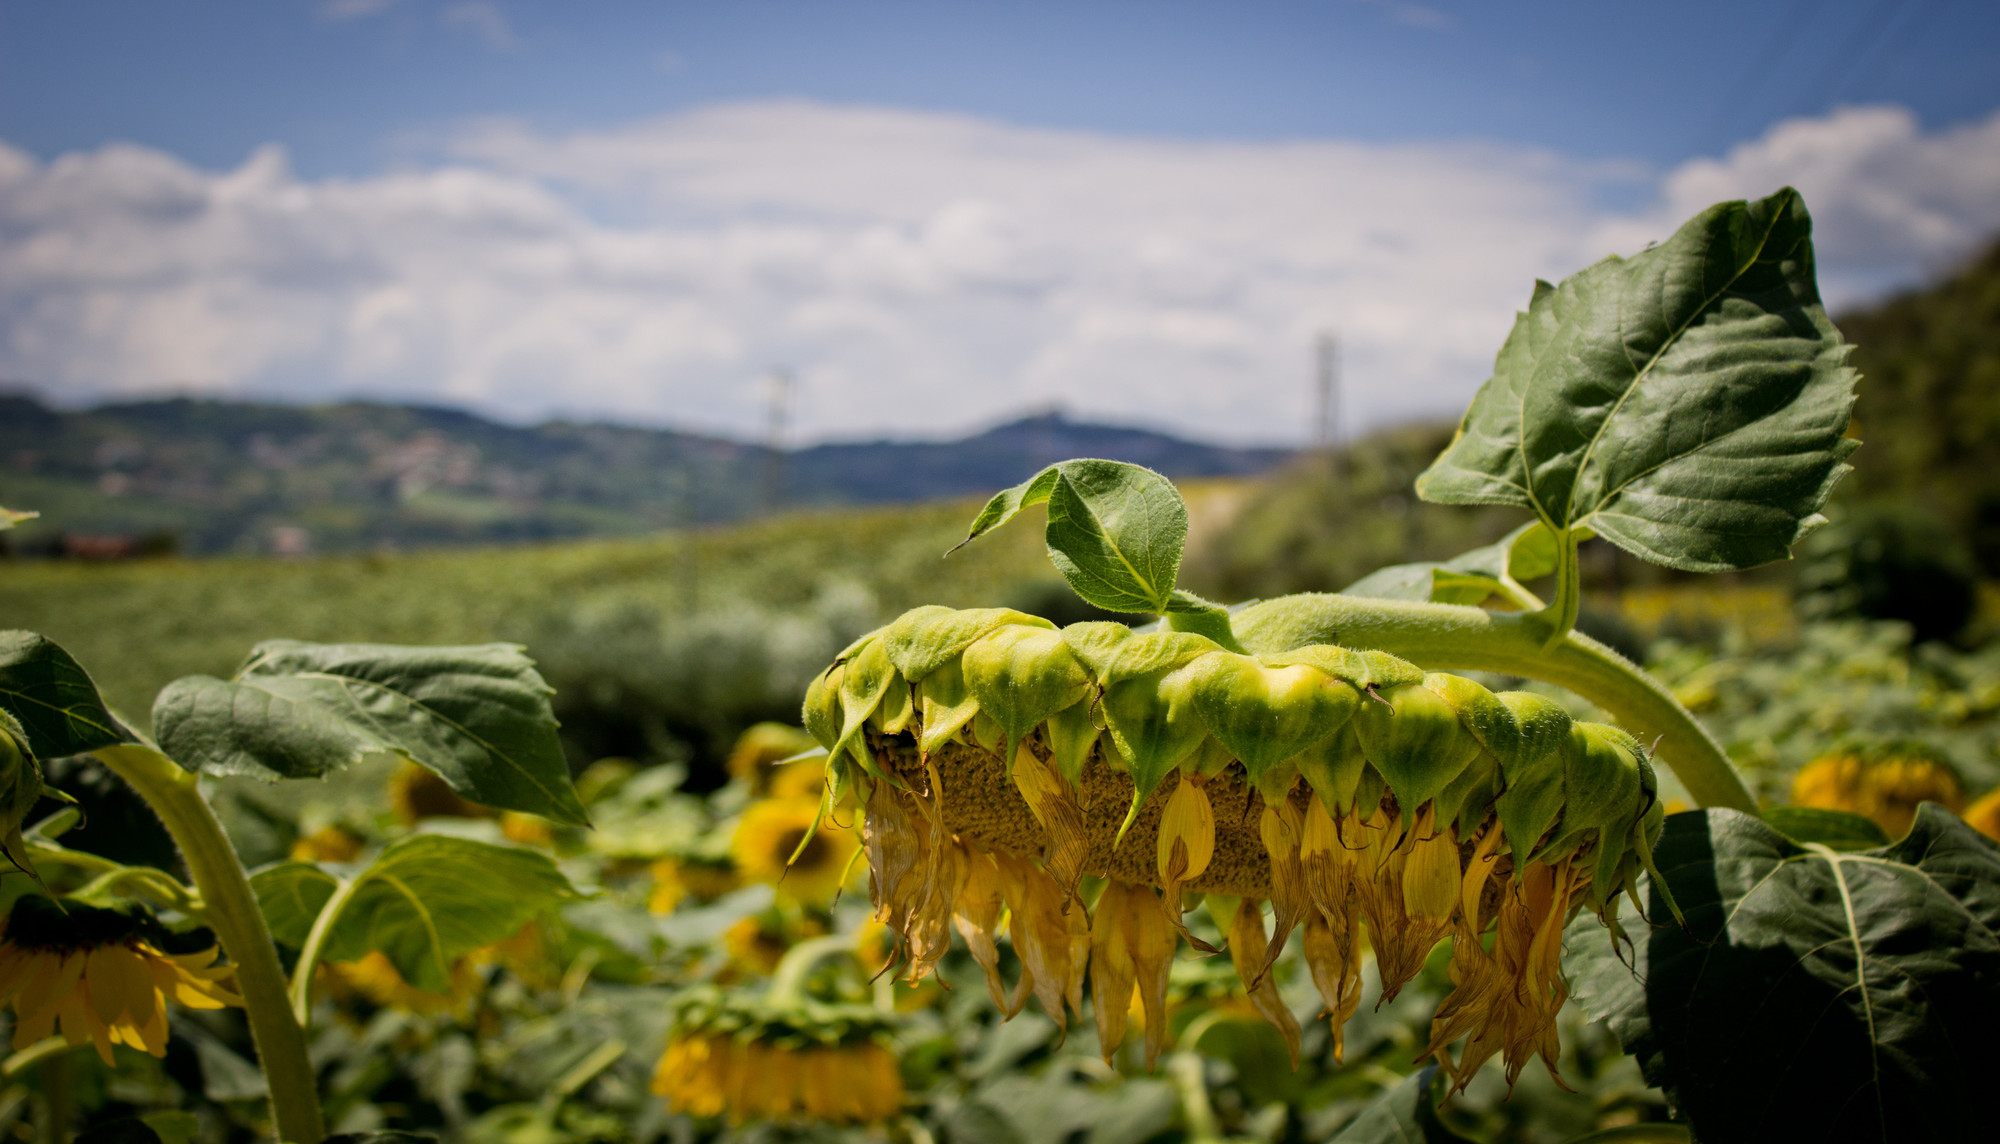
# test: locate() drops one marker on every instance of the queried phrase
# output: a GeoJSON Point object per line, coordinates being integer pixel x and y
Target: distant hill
{"type": "Point", "coordinates": [1929, 413]}
{"type": "Point", "coordinates": [207, 476]}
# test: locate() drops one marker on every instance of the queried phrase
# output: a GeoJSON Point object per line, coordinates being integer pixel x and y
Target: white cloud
{"type": "Point", "coordinates": [485, 22]}
{"type": "Point", "coordinates": [920, 273]}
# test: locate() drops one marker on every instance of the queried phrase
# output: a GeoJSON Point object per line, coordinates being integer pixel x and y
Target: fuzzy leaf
{"type": "Point", "coordinates": [1527, 553]}
{"type": "Point", "coordinates": [1687, 403]}
{"type": "Point", "coordinates": [53, 697]}
{"type": "Point", "coordinates": [1115, 530]}
{"type": "Point", "coordinates": [1814, 995]}
{"type": "Point", "coordinates": [479, 716]}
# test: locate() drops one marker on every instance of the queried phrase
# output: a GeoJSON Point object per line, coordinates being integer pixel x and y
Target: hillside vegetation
{"type": "Point", "coordinates": [208, 476]}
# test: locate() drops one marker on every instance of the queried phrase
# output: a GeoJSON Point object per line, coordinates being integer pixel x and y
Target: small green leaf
{"type": "Point", "coordinates": [479, 716]}
{"type": "Point", "coordinates": [1116, 531]}
{"type": "Point", "coordinates": [1814, 994]}
{"type": "Point", "coordinates": [1405, 1114]}
{"type": "Point", "coordinates": [1527, 553]}
{"type": "Point", "coordinates": [1836, 829]}
{"type": "Point", "coordinates": [427, 901]}
{"type": "Point", "coordinates": [1687, 403]}
{"type": "Point", "coordinates": [53, 698]}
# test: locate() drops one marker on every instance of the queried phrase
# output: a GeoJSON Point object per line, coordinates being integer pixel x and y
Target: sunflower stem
{"type": "Point", "coordinates": [174, 793]}
{"type": "Point", "coordinates": [788, 981]}
{"type": "Point", "coordinates": [1450, 637]}
{"type": "Point", "coordinates": [309, 954]}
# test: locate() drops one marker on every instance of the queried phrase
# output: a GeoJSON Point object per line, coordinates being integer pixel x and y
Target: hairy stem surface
{"type": "Point", "coordinates": [1449, 637]}
{"type": "Point", "coordinates": [174, 794]}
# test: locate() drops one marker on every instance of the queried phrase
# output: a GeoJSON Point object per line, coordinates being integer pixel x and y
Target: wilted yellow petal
{"type": "Point", "coordinates": [1247, 947]}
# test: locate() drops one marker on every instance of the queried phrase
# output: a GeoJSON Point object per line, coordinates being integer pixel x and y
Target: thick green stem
{"type": "Point", "coordinates": [1446, 637]}
{"type": "Point", "coordinates": [175, 795]}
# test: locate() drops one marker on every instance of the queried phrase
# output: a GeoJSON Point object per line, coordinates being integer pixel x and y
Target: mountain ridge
{"type": "Point", "coordinates": [205, 475]}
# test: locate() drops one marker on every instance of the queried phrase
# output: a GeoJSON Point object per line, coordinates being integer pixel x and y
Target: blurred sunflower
{"type": "Point", "coordinates": [1884, 786]}
{"type": "Point", "coordinates": [770, 833]}
{"type": "Point", "coordinates": [527, 829]}
{"type": "Point", "coordinates": [756, 943]}
{"type": "Point", "coordinates": [417, 792]}
{"type": "Point", "coordinates": [94, 971]}
{"type": "Point", "coordinates": [714, 1074]}
{"type": "Point", "coordinates": [334, 843]}
{"type": "Point", "coordinates": [1984, 815]}
{"type": "Point", "coordinates": [761, 746]}
{"type": "Point", "coordinates": [774, 1058]}
{"type": "Point", "coordinates": [375, 977]}
{"type": "Point", "coordinates": [675, 879]}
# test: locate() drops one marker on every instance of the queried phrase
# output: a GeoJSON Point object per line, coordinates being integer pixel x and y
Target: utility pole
{"type": "Point", "coordinates": [1327, 424]}
{"type": "Point", "coordinates": [778, 390]}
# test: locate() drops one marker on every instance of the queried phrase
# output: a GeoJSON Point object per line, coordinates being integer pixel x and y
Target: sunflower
{"type": "Point", "coordinates": [675, 879]}
{"type": "Point", "coordinates": [771, 832]}
{"type": "Point", "coordinates": [768, 1059]}
{"type": "Point", "coordinates": [999, 760]}
{"type": "Point", "coordinates": [417, 792]}
{"type": "Point", "coordinates": [1885, 785]}
{"type": "Point", "coordinates": [376, 978]}
{"type": "Point", "coordinates": [334, 843]}
{"type": "Point", "coordinates": [97, 972]}
{"type": "Point", "coordinates": [1984, 815]}
{"type": "Point", "coordinates": [763, 745]}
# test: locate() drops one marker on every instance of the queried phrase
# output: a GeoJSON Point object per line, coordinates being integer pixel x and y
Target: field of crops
{"type": "Point", "coordinates": [799, 831]}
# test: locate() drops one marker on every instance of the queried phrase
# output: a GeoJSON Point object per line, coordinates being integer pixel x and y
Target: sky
{"type": "Point", "coordinates": [933, 216]}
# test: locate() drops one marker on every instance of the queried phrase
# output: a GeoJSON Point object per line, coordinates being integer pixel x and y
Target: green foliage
{"type": "Point", "coordinates": [1686, 403]}
{"type": "Point", "coordinates": [1930, 412]}
{"type": "Point", "coordinates": [1115, 531]}
{"type": "Point", "coordinates": [478, 716]}
{"type": "Point", "coordinates": [428, 900]}
{"type": "Point", "coordinates": [1813, 994]}
{"type": "Point", "coordinates": [1406, 1114]}
{"type": "Point", "coordinates": [52, 698]}
{"type": "Point", "coordinates": [1890, 561]}
{"type": "Point", "coordinates": [1841, 686]}
{"type": "Point", "coordinates": [1497, 569]}
{"type": "Point", "coordinates": [1834, 829]}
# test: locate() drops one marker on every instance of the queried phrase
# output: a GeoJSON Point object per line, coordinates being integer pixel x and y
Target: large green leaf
{"type": "Point", "coordinates": [1686, 403]}
{"type": "Point", "coordinates": [1527, 553]}
{"type": "Point", "coordinates": [292, 894]}
{"type": "Point", "coordinates": [1405, 1114]}
{"type": "Point", "coordinates": [427, 901]}
{"type": "Point", "coordinates": [1815, 994]}
{"type": "Point", "coordinates": [479, 716]}
{"type": "Point", "coordinates": [53, 697]}
{"type": "Point", "coordinates": [1115, 530]}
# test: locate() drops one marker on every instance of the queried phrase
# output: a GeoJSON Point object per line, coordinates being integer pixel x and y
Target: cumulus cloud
{"type": "Point", "coordinates": [919, 273]}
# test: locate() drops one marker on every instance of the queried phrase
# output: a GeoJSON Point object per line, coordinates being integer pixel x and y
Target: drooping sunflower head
{"type": "Point", "coordinates": [102, 976]}
{"type": "Point", "coordinates": [773, 830]}
{"type": "Point", "coordinates": [752, 1059]}
{"type": "Point", "coordinates": [1000, 759]}
{"type": "Point", "coordinates": [1884, 784]}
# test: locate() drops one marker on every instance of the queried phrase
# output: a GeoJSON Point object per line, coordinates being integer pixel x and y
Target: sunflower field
{"type": "Point", "coordinates": [1415, 861]}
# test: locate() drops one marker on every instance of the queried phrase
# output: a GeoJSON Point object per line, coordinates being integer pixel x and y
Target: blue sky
{"type": "Point", "coordinates": [348, 87]}
{"type": "Point", "coordinates": [936, 214]}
